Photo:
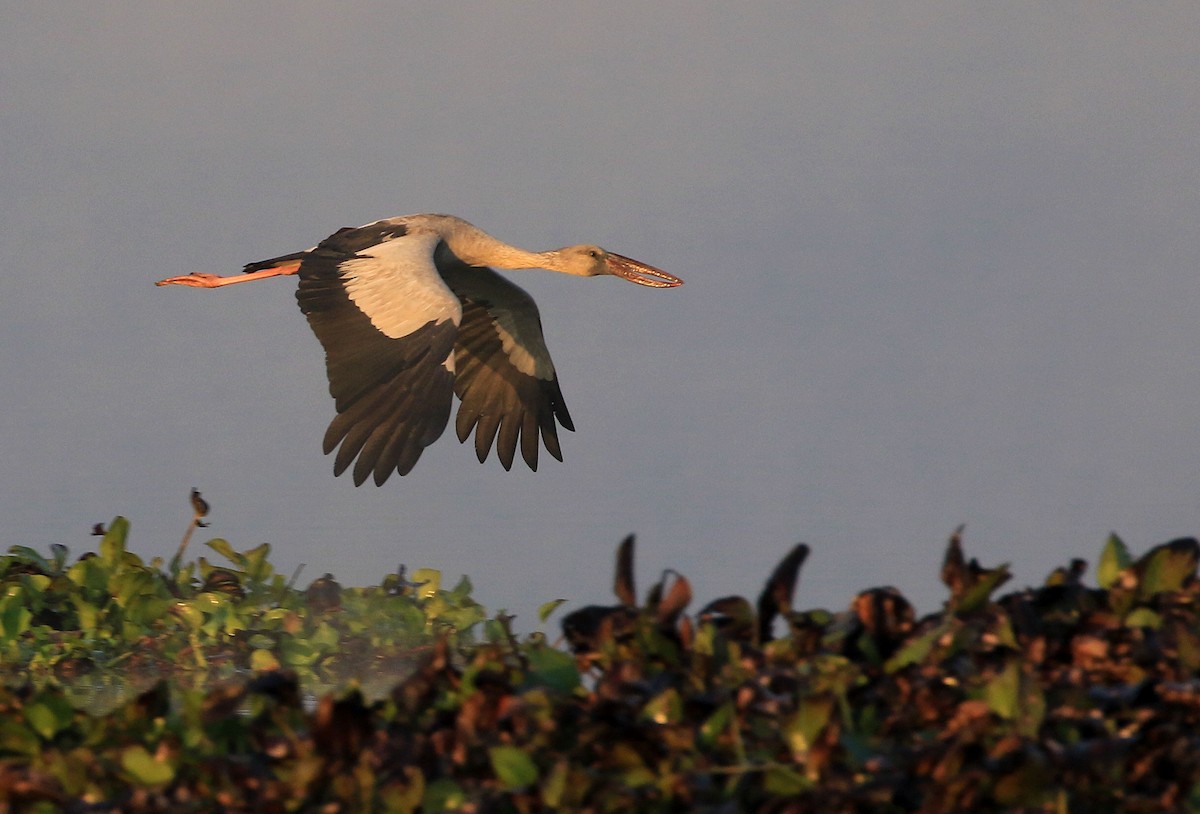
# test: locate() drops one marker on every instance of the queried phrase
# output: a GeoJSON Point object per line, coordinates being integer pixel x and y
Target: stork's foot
{"type": "Point", "coordinates": [196, 280]}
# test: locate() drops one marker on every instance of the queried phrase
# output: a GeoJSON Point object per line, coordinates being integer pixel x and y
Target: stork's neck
{"type": "Point", "coordinates": [476, 247]}
{"type": "Point", "coordinates": [503, 256]}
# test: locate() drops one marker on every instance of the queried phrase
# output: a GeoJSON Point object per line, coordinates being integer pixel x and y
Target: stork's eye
{"type": "Point", "coordinates": [592, 253]}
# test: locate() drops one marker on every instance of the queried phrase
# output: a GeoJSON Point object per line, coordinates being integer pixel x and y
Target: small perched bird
{"type": "Point", "coordinates": [199, 504]}
{"type": "Point", "coordinates": [409, 313]}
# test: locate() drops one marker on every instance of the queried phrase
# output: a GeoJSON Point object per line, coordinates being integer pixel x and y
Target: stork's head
{"type": "Point", "coordinates": [591, 261]}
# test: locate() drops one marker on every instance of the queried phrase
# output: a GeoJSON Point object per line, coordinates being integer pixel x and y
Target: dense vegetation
{"type": "Point", "coordinates": [188, 686]}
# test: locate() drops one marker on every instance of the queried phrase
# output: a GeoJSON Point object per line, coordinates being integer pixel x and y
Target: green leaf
{"type": "Point", "coordinates": [127, 583]}
{"type": "Point", "coordinates": [443, 795]}
{"type": "Point", "coordinates": [89, 614]}
{"type": "Point", "coordinates": [92, 576]}
{"type": "Point", "coordinates": [14, 615]}
{"type": "Point", "coordinates": [916, 650]}
{"type": "Point", "coordinates": [1188, 644]}
{"type": "Point", "coordinates": [112, 545]}
{"type": "Point", "coordinates": [49, 714]}
{"type": "Point", "coordinates": [325, 637]}
{"type": "Point", "coordinates": [261, 641]}
{"type": "Point", "coordinates": [1002, 693]}
{"type": "Point", "coordinates": [428, 581]}
{"type": "Point", "coordinates": [185, 610]}
{"type": "Point", "coordinates": [210, 601]}
{"type": "Point", "coordinates": [493, 631]}
{"type": "Point", "coordinates": [145, 610]}
{"type": "Point", "coordinates": [144, 769]}
{"type": "Point", "coordinates": [257, 568]}
{"type": "Point", "coordinates": [548, 608]}
{"type": "Point", "coordinates": [1005, 634]}
{"type": "Point", "coordinates": [60, 553]}
{"type": "Point", "coordinates": [1166, 567]}
{"type": "Point", "coordinates": [263, 660]}
{"type": "Point", "coordinates": [664, 708]}
{"type": "Point", "coordinates": [783, 782]}
{"type": "Point", "coordinates": [716, 724]}
{"type": "Point", "coordinates": [552, 668]}
{"type": "Point", "coordinates": [36, 585]}
{"type": "Point", "coordinates": [399, 797]}
{"type": "Point", "coordinates": [462, 590]}
{"type": "Point", "coordinates": [18, 737]}
{"type": "Point", "coordinates": [554, 787]}
{"type": "Point", "coordinates": [28, 555]}
{"type": "Point", "coordinates": [805, 726]}
{"type": "Point", "coordinates": [978, 595]}
{"type": "Point", "coordinates": [297, 652]}
{"type": "Point", "coordinates": [222, 547]}
{"type": "Point", "coordinates": [513, 767]}
{"type": "Point", "coordinates": [1143, 617]}
{"type": "Point", "coordinates": [458, 617]}
{"type": "Point", "coordinates": [1113, 560]}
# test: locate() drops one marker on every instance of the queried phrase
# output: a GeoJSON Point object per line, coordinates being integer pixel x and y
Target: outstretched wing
{"type": "Point", "coordinates": [387, 322]}
{"type": "Point", "coordinates": [505, 378]}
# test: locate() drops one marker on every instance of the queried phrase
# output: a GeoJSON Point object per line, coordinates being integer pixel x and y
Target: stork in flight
{"type": "Point", "coordinates": [409, 313]}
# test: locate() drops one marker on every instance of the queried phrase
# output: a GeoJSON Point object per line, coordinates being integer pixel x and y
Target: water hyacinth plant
{"type": "Point", "coordinates": [136, 686]}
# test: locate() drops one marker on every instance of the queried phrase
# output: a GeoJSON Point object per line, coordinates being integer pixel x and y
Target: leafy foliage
{"type": "Point", "coordinates": [121, 622]}
{"type": "Point", "coordinates": [1058, 698]}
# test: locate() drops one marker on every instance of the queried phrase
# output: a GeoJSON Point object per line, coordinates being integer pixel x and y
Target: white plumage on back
{"type": "Point", "coordinates": [397, 286]}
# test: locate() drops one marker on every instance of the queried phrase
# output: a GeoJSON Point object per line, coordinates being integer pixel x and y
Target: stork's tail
{"type": "Point", "coordinates": [290, 262]}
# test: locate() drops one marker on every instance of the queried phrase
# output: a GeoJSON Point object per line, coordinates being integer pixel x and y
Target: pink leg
{"type": "Point", "coordinates": [201, 280]}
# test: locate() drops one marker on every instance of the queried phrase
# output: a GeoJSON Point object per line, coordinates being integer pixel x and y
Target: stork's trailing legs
{"type": "Point", "coordinates": [201, 280]}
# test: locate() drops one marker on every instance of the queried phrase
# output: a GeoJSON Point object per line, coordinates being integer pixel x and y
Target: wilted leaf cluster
{"type": "Point", "coordinates": [1064, 697]}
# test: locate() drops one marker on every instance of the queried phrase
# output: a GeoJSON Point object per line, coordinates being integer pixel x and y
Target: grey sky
{"type": "Point", "coordinates": [941, 265]}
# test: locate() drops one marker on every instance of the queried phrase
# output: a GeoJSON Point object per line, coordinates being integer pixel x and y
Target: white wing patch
{"type": "Point", "coordinates": [397, 286]}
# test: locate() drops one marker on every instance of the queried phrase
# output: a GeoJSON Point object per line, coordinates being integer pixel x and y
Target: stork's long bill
{"type": "Point", "coordinates": [637, 272]}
